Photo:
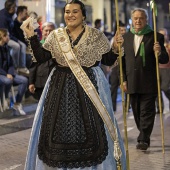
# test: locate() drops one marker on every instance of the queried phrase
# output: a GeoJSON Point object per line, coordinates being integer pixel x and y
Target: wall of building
{"type": "Point", "coordinates": [44, 8]}
{"type": "Point", "coordinates": [98, 7]}
{"type": "Point", "coordinates": [2, 4]}
{"type": "Point", "coordinates": [108, 14]}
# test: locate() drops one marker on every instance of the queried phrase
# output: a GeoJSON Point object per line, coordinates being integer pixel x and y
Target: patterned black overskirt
{"type": "Point", "coordinates": [72, 133]}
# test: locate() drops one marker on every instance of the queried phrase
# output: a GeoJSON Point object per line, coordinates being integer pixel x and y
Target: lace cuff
{"type": "Point", "coordinates": [32, 40]}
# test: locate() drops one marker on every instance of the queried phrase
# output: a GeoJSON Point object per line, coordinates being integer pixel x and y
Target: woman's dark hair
{"type": "Point", "coordinates": [82, 6]}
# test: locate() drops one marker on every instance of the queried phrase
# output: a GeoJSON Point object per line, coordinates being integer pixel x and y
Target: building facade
{"type": "Point", "coordinates": [52, 10]}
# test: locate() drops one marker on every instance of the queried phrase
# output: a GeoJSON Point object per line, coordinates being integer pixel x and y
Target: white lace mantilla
{"type": "Point", "coordinates": [90, 48]}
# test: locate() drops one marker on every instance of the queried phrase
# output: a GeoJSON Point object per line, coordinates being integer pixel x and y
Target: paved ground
{"type": "Point", "coordinates": [13, 146]}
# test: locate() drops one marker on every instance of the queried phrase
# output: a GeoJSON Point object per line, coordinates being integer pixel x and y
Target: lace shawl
{"type": "Point", "coordinates": [89, 49]}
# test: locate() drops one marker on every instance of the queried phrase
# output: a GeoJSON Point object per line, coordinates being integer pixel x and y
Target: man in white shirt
{"type": "Point", "coordinates": [139, 67]}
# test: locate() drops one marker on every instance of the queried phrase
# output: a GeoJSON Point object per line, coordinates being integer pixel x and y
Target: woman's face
{"type": "Point", "coordinates": [73, 15]}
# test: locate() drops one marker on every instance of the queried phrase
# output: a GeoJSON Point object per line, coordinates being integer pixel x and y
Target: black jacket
{"type": "Point", "coordinates": [39, 73]}
{"type": "Point", "coordinates": [6, 62]}
{"type": "Point", "coordinates": [17, 31]}
{"type": "Point", "coordinates": [142, 79]}
{"type": "Point", "coordinates": [7, 22]}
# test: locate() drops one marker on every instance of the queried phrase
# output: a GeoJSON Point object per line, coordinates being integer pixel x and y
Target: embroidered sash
{"type": "Point", "coordinates": [89, 89]}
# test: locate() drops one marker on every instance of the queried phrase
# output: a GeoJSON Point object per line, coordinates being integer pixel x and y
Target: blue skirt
{"type": "Point", "coordinates": [32, 160]}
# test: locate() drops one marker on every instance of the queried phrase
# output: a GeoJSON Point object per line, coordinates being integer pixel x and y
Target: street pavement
{"type": "Point", "coordinates": [13, 146]}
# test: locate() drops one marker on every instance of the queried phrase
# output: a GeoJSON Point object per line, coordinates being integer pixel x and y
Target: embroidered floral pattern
{"type": "Point", "coordinates": [72, 132]}
{"type": "Point", "coordinates": [90, 48]}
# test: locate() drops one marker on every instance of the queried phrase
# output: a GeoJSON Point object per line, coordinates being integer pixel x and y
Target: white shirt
{"type": "Point", "coordinates": [136, 43]}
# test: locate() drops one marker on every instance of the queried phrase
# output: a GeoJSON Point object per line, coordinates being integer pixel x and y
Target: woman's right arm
{"type": "Point", "coordinates": [40, 54]}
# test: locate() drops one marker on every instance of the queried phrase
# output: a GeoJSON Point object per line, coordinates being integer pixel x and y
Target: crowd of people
{"type": "Point", "coordinates": [16, 65]}
{"type": "Point", "coordinates": [13, 54]}
{"type": "Point", "coordinates": [74, 73]}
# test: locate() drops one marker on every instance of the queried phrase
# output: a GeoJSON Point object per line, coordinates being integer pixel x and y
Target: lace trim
{"type": "Point", "coordinates": [69, 152]}
{"type": "Point", "coordinates": [29, 47]}
{"type": "Point", "coordinates": [89, 49]}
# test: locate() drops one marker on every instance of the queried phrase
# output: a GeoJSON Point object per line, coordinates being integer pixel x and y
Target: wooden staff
{"type": "Point", "coordinates": [153, 6]}
{"type": "Point", "coordinates": [123, 94]}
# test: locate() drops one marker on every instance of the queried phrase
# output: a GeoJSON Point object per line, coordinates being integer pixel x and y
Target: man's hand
{"type": "Point", "coordinates": [118, 39]}
{"type": "Point", "coordinates": [124, 86]}
{"type": "Point", "coordinates": [32, 88]}
{"type": "Point", "coordinates": [9, 76]}
{"type": "Point", "coordinates": [157, 48]}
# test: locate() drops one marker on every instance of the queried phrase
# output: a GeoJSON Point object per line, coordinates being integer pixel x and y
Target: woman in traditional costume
{"type": "Point", "coordinates": [74, 126]}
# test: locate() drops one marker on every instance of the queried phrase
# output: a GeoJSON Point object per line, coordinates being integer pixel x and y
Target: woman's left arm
{"type": "Point", "coordinates": [41, 55]}
{"type": "Point", "coordinates": [109, 58]}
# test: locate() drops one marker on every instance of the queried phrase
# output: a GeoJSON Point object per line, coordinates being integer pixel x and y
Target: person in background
{"type": "Point", "coordinates": [98, 24]}
{"type": "Point", "coordinates": [139, 68]}
{"type": "Point", "coordinates": [73, 134]}
{"type": "Point", "coordinates": [39, 72]}
{"type": "Point", "coordinates": [109, 35]}
{"type": "Point", "coordinates": [8, 75]}
{"type": "Point", "coordinates": [18, 48]}
{"type": "Point", "coordinates": [39, 20]}
{"type": "Point", "coordinates": [22, 15]}
{"type": "Point", "coordinates": [164, 70]}
{"type": "Point", "coordinates": [114, 77]}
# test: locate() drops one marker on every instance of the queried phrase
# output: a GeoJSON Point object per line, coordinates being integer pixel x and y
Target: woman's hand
{"type": "Point", "coordinates": [27, 28]}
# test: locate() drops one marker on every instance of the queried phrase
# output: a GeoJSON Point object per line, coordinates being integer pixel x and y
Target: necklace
{"type": "Point", "coordinates": [75, 42]}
